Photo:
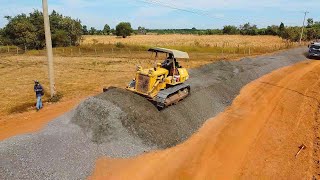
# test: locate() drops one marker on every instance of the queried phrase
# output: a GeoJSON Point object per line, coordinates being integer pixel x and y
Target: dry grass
{"type": "Point", "coordinates": [75, 77]}
{"type": "Point", "coordinates": [85, 70]}
{"type": "Point", "coordinates": [264, 42]}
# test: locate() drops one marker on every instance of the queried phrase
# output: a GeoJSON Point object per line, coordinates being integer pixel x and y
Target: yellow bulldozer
{"type": "Point", "coordinates": [163, 84]}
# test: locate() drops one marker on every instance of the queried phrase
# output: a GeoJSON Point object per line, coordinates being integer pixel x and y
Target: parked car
{"type": "Point", "coordinates": [314, 50]}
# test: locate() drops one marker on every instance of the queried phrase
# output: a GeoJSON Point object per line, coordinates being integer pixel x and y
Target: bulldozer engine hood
{"type": "Point", "coordinates": [153, 72]}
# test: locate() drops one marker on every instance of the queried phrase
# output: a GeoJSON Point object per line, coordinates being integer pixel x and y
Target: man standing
{"type": "Point", "coordinates": [39, 93]}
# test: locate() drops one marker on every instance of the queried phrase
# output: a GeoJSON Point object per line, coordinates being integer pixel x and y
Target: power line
{"type": "Point", "coordinates": [159, 3]}
{"type": "Point", "coordinates": [197, 11]}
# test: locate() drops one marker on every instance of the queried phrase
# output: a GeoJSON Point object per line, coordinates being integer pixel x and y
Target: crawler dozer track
{"type": "Point", "coordinates": [172, 95]}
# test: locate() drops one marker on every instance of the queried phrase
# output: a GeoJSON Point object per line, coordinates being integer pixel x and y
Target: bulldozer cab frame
{"type": "Point", "coordinates": [172, 55]}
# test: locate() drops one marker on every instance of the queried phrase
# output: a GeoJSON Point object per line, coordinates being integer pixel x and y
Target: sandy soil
{"type": "Point", "coordinates": [257, 137]}
{"type": "Point", "coordinates": [33, 121]}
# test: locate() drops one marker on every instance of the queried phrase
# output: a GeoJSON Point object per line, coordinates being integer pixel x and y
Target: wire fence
{"type": "Point", "coordinates": [123, 52]}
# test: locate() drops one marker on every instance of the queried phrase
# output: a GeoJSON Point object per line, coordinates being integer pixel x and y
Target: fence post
{"type": "Point", "coordinates": [80, 51]}
{"type": "Point", "coordinates": [17, 50]}
{"type": "Point", "coordinates": [71, 52]}
{"type": "Point", "coordinates": [8, 48]}
{"type": "Point", "coordinates": [25, 49]}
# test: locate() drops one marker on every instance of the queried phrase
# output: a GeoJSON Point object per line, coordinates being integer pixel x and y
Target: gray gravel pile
{"type": "Point", "coordinates": [62, 151]}
{"type": "Point", "coordinates": [213, 87]}
{"type": "Point", "coordinates": [121, 124]}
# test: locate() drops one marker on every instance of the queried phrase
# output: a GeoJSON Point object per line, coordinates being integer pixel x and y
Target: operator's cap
{"type": "Point", "coordinates": [36, 81]}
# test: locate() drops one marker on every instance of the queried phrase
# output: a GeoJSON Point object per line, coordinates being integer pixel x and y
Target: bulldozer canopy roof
{"type": "Point", "coordinates": [175, 53]}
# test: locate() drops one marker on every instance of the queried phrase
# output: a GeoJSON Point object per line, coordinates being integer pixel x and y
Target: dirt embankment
{"type": "Point", "coordinates": [213, 88]}
{"type": "Point", "coordinates": [257, 137]}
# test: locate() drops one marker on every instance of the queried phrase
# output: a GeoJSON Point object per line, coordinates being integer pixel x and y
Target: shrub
{"type": "Point", "coordinates": [124, 29]}
{"type": "Point", "coordinates": [56, 98]}
{"type": "Point", "coordinates": [120, 45]}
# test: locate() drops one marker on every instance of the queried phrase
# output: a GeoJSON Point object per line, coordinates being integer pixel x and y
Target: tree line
{"type": "Point", "coordinates": [27, 30]}
{"type": "Point", "coordinates": [291, 33]}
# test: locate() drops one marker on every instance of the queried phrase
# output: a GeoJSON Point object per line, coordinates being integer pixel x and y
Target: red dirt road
{"type": "Point", "coordinates": [32, 121]}
{"type": "Point", "coordinates": [257, 137]}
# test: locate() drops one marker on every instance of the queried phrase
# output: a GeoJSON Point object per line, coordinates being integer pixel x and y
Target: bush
{"type": "Point", "coordinates": [120, 45]}
{"type": "Point", "coordinates": [248, 29]}
{"type": "Point", "coordinates": [124, 29]}
{"type": "Point", "coordinates": [291, 34]}
{"type": "Point", "coordinates": [230, 30]}
{"type": "Point", "coordinates": [56, 98]}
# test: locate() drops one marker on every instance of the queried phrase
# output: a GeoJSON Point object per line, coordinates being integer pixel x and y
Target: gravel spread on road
{"type": "Point", "coordinates": [118, 123]}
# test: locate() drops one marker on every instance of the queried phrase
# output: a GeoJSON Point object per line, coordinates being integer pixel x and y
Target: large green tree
{"type": "Point", "coordinates": [20, 31]}
{"type": "Point", "coordinates": [310, 22]}
{"type": "Point", "coordinates": [248, 29]}
{"type": "Point", "coordinates": [142, 30]}
{"type": "Point", "coordinates": [93, 31]}
{"type": "Point", "coordinates": [124, 29]}
{"type": "Point", "coordinates": [85, 30]}
{"type": "Point", "coordinates": [106, 29]}
{"type": "Point", "coordinates": [281, 29]}
{"type": "Point", "coordinates": [27, 31]}
{"type": "Point", "coordinates": [230, 30]}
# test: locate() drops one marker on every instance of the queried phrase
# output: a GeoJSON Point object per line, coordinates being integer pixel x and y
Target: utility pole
{"type": "Point", "coordinates": [49, 46]}
{"type": "Point", "coordinates": [304, 20]}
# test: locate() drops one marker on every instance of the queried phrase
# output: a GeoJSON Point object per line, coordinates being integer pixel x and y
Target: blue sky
{"type": "Point", "coordinates": [215, 13]}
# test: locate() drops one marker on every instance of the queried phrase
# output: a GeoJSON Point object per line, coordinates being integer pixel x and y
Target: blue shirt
{"type": "Point", "coordinates": [38, 89]}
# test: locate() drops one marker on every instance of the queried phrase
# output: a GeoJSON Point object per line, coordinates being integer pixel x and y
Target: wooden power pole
{"type": "Point", "coordinates": [304, 20]}
{"type": "Point", "coordinates": [49, 46]}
